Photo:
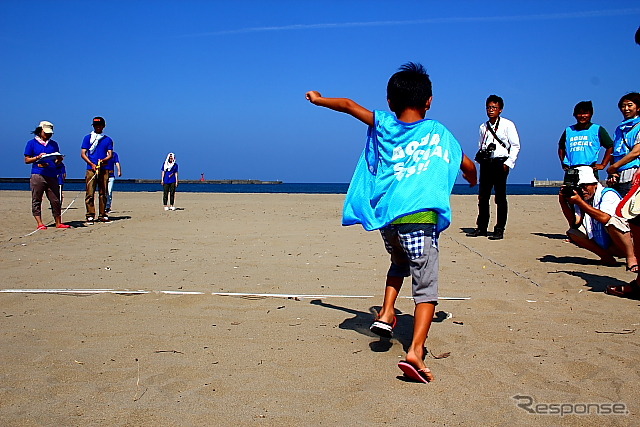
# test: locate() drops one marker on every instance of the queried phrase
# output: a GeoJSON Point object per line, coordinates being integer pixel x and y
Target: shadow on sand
{"type": "Point", "coordinates": [554, 236]}
{"type": "Point", "coordinates": [77, 224]}
{"type": "Point", "coordinates": [573, 260]}
{"type": "Point", "coordinates": [360, 322]}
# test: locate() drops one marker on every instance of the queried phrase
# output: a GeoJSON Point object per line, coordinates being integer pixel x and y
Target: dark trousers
{"type": "Point", "coordinates": [41, 185]}
{"type": "Point", "coordinates": [169, 190]}
{"type": "Point", "coordinates": [492, 176]}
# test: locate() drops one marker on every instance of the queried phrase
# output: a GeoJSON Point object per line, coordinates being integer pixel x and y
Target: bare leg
{"type": "Point", "coordinates": [622, 245]}
{"type": "Point", "coordinates": [423, 315]}
{"type": "Point", "coordinates": [580, 239]}
{"type": "Point", "coordinates": [38, 220]}
{"type": "Point", "coordinates": [635, 237]}
{"type": "Point", "coordinates": [391, 291]}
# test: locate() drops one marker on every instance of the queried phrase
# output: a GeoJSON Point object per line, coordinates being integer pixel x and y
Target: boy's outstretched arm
{"type": "Point", "coordinates": [344, 105]}
{"type": "Point", "coordinates": [468, 169]}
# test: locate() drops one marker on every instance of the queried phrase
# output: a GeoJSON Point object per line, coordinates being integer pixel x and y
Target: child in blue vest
{"type": "Point", "coordinates": [402, 186]}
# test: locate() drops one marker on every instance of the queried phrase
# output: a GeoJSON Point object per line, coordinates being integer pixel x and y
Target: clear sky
{"type": "Point", "coordinates": [222, 83]}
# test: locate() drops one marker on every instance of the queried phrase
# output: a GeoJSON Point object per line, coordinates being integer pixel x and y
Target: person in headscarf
{"type": "Point", "coordinates": [169, 181]}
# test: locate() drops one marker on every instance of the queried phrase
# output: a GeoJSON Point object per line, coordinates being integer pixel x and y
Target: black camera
{"type": "Point", "coordinates": [485, 153]}
{"type": "Point", "coordinates": [570, 183]}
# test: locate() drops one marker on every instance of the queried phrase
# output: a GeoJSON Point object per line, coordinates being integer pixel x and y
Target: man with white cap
{"type": "Point", "coordinates": [593, 223]}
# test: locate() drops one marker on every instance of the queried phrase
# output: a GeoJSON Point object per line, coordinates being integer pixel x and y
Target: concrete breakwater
{"type": "Point", "coordinates": [545, 183]}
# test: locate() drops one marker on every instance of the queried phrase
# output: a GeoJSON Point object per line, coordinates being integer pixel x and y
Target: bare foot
{"type": "Point", "coordinates": [387, 317]}
{"type": "Point", "coordinates": [417, 360]}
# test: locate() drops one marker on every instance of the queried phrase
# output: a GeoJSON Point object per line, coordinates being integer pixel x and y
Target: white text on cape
{"type": "Point", "coordinates": [418, 155]}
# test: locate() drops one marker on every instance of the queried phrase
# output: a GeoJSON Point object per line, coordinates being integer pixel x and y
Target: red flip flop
{"type": "Point", "coordinates": [42, 227]}
{"type": "Point", "coordinates": [410, 371]}
{"type": "Point", "coordinates": [63, 226]}
{"type": "Point", "coordinates": [629, 290]}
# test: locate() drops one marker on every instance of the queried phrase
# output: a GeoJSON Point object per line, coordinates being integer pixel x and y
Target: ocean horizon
{"type": "Point", "coordinates": [292, 188]}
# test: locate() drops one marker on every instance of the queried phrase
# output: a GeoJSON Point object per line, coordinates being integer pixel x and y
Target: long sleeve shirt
{"type": "Point", "coordinates": [506, 131]}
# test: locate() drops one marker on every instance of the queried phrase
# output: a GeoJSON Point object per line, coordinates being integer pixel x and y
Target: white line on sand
{"type": "Point", "coordinates": [225, 294]}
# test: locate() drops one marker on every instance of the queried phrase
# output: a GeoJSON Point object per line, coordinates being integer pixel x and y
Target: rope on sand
{"type": "Point", "coordinates": [62, 213]}
{"type": "Point", "coordinates": [226, 294]}
{"type": "Point", "coordinates": [470, 249]}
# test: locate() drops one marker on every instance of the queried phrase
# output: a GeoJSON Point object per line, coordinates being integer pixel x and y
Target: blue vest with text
{"type": "Point", "coordinates": [582, 146]}
{"type": "Point", "coordinates": [600, 235]}
{"type": "Point", "coordinates": [624, 140]}
{"type": "Point", "coordinates": [404, 168]}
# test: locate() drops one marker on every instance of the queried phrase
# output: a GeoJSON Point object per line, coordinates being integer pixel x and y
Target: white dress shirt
{"type": "Point", "coordinates": [507, 132]}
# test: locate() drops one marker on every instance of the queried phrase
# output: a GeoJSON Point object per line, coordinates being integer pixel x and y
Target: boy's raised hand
{"type": "Point", "coordinates": [344, 105]}
{"type": "Point", "coordinates": [312, 95]}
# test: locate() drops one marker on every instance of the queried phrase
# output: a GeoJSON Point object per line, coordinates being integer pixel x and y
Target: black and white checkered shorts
{"type": "Point", "coordinates": [414, 252]}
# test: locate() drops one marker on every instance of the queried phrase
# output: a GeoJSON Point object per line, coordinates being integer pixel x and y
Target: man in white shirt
{"type": "Point", "coordinates": [500, 143]}
{"type": "Point", "coordinates": [594, 225]}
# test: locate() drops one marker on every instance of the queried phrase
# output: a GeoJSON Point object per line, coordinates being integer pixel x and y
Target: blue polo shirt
{"type": "Point", "coordinates": [34, 148]}
{"type": "Point", "coordinates": [111, 164]}
{"type": "Point", "coordinates": [170, 175]}
{"type": "Point", "coordinates": [105, 144]}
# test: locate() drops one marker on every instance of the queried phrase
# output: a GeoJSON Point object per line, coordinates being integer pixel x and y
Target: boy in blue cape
{"type": "Point", "coordinates": [402, 186]}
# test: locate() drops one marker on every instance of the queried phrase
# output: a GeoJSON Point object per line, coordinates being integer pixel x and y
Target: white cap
{"type": "Point", "coordinates": [47, 127]}
{"type": "Point", "coordinates": [586, 175]}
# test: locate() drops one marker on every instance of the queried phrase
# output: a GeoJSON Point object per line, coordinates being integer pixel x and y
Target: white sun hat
{"type": "Point", "coordinates": [629, 207]}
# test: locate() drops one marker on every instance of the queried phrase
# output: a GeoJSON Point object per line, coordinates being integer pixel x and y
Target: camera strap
{"type": "Point", "coordinates": [493, 132]}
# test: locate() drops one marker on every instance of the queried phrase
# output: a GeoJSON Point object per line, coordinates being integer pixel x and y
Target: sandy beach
{"type": "Point", "coordinates": [537, 323]}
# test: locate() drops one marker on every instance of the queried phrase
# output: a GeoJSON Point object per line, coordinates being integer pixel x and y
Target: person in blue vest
{"type": "Point", "coordinates": [593, 223]}
{"type": "Point", "coordinates": [627, 139]}
{"type": "Point", "coordinates": [401, 186]}
{"type": "Point", "coordinates": [626, 147]}
{"type": "Point", "coordinates": [112, 165]}
{"type": "Point", "coordinates": [97, 149]}
{"type": "Point", "coordinates": [43, 154]}
{"type": "Point", "coordinates": [580, 143]}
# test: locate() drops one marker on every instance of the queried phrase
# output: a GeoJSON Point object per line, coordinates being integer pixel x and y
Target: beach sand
{"type": "Point", "coordinates": [537, 322]}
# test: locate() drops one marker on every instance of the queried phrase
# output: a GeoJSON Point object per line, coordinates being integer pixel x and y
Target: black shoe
{"type": "Point", "coordinates": [477, 233]}
{"type": "Point", "coordinates": [497, 235]}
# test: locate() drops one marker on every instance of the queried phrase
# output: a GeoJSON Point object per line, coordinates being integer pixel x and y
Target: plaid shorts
{"type": "Point", "coordinates": [414, 252]}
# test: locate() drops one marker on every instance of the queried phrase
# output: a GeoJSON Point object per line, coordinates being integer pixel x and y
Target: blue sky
{"type": "Point", "coordinates": [222, 83]}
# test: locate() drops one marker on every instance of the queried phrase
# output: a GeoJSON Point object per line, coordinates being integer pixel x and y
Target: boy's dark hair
{"type": "Point", "coordinates": [583, 107]}
{"type": "Point", "coordinates": [631, 96]}
{"type": "Point", "coordinates": [409, 87]}
{"type": "Point", "coordinates": [496, 99]}
{"type": "Point", "coordinates": [37, 131]}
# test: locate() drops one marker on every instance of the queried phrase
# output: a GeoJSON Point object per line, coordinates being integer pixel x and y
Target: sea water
{"type": "Point", "coordinates": [291, 188]}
